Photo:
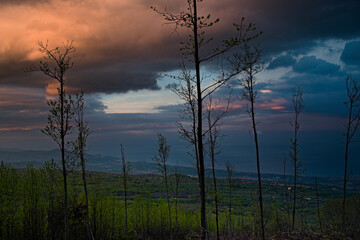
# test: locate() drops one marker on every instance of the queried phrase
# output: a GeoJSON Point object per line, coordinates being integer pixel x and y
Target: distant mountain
{"type": "Point", "coordinates": [22, 159]}
{"type": "Point", "coordinates": [97, 162]}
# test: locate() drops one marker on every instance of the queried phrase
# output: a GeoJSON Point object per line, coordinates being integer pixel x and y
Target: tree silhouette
{"type": "Point", "coordinates": [79, 149]}
{"type": "Point", "coordinates": [352, 126]}
{"type": "Point", "coordinates": [229, 170]}
{"type": "Point", "coordinates": [298, 170]}
{"type": "Point", "coordinates": [125, 181]}
{"type": "Point", "coordinates": [160, 159]}
{"type": "Point", "coordinates": [214, 113]}
{"type": "Point", "coordinates": [56, 63]}
{"type": "Point", "coordinates": [317, 203]}
{"type": "Point", "coordinates": [177, 176]}
{"type": "Point", "coordinates": [249, 60]}
{"type": "Point", "coordinates": [195, 91]}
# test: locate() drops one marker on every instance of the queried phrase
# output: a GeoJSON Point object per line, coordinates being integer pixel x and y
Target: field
{"type": "Point", "coordinates": [32, 206]}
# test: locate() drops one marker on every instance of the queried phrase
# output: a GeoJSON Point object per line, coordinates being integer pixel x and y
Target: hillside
{"type": "Point", "coordinates": [110, 164]}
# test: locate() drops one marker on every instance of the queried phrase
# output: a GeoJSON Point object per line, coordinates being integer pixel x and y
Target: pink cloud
{"type": "Point", "coordinates": [274, 104]}
{"type": "Point", "coordinates": [265, 91]}
{"type": "Point", "coordinates": [28, 128]}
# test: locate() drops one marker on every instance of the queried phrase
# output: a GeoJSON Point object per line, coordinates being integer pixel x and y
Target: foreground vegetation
{"type": "Point", "coordinates": [31, 207]}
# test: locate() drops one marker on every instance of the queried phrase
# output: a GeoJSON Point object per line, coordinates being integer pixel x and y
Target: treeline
{"type": "Point", "coordinates": [32, 203]}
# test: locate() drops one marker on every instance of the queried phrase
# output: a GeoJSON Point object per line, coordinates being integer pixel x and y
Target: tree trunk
{"type": "Point", "coordinates": [88, 228]}
{"type": "Point", "coordinates": [258, 163]}
{"type": "Point", "coordinates": [168, 202]}
{"type": "Point", "coordinates": [345, 168]}
{"type": "Point", "coordinates": [215, 197]}
{"type": "Point", "coordinates": [176, 198]}
{"type": "Point", "coordinates": [63, 160]}
{"type": "Point", "coordinates": [199, 127]}
{"type": "Point", "coordinates": [317, 203]}
{"type": "Point", "coordinates": [295, 174]}
{"type": "Point", "coordinates": [126, 212]}
{"type": "Point", "coordinates": [212, 143]}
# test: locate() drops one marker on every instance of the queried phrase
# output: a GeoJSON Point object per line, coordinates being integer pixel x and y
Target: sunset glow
{"type": "Point", "coordinates": [125, 52]}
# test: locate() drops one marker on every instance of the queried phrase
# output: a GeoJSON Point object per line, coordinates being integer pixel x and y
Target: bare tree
{"type": "Point", "coordinates": [284, 179]}
{"type": "Point", "coordinates": [186, 92]}
{"type": "Point", "coordinates": [177, 176]}
{"type": "Point", "coordinates": [229, 169]}
{"type": "Point", "coordinates": [191, 50]}
{"type": "Point", "coordinates": [79, 149]}
{"type": "Point", "coordinates": [214, 113]}
{"type": "Point", "coordinates": [352, 126]}
{"type": "Point", "coordinates": [317, 203]}
{"type": "Point", "coordinates": [250, 63]}
{"type": "Point", "coordinates": [56, 63]}
{"type": "Point", "coordinates": [160, 159]}
{"type": "Point", "coordinates": [125, 181]}
{"type": "Point", "coordinates": [298, 104]}
{"type": "Point", "coordinates": [286, 203]}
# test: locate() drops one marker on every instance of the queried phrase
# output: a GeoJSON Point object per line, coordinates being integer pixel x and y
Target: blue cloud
{"type": "Point", "coordinates": [282, 61]}
{"type": "Point", "coordinates": [313, 65]}
{"type": "Point", "coordinates": [351, 53]}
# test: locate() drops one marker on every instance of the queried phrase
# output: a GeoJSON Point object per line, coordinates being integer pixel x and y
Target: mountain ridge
{"type": "Point", "coordinates": [111, 164]}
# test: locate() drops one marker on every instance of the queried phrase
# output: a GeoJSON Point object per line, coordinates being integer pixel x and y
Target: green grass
{"type": "Point", "coordinates": [31, 204]}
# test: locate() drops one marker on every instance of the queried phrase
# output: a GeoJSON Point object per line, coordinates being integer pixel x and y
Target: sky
{"type": "Point", "coordinates": [125, 51]}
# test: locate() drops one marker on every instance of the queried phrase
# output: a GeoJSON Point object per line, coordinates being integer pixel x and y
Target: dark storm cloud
{"type": "Point", "coordinates": [107, 78]}
{"type": "Point", "coordinates": [150, 46]}
{"type": "Point", "coordinates": [113, 81]}
{"type": "Point", "coordinates": [317, 84]}
{"type": "Point", "coordinates": [290, 25]}
{"type": "Point", "coordinates": [351, 53]}
{"type": "Point", "coordinates": [282, 61]}
{"type": "Point", "coordinates": [323, 93]}
{"type": "Point", "coordinates": [311, 64]}
{"type": "Point", "coordinates": [26, 112]}
{"type": "Point", "coordinates": [12, 64]}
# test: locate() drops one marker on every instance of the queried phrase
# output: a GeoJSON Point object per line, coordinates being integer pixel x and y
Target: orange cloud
{"type": "Point", "coordinates": [99, 28]}
{"type": "Point", "coordinates": [95, 26]}
{"type": "Point", "coordinates": [278, 108]}
{"type": "Point", "coordinates": [52, 89]}
{"type": "Point", "coordinates": [265, 91]}
{"type": "Point", "coordinates": [113, 38]}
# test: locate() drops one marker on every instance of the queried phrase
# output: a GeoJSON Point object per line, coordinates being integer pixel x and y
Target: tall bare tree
{"type": "Point", "coordinates": [214, 114]}
{"type": "Point", "coordinates": [285, 200]}
{"type": "Point", "coordinates": [83, 131]}
{"type": "Point", "coordinates": [250, 63]}
{"type": "Point", "coordinates": [160, 159]}
{"type": "Point", "coordinates": [186, 92]}
{"type": "Point", "coordinates": [229, 169]}
{"type": "Point", "coordinates": [317, 203]}
{"type": "Point", "coordinates": [352, 126]}
{"type": "Point", "coordinates": [298, 105]}
{"type": "Point", "coordinates": [125, 181]}
{"type": "Point", "coordinates": [284, 180]}
{"type": "Point", "coordinates": [57, 61]}
{"type": "Point", "coordinates": [191, 50]}
{"type": "Point", "coordinates": [177, 176]}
